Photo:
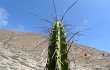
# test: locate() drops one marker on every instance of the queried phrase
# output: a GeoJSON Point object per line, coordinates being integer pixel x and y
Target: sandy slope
{"type": "Point", "coordinates": [25, 51]}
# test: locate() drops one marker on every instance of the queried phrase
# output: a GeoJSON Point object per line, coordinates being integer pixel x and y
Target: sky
{"type": "Point", "coordinates": [15, 15]}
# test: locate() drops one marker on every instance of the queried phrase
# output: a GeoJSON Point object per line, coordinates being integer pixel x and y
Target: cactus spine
{"type": "Point", "coordinates": [57, 50]}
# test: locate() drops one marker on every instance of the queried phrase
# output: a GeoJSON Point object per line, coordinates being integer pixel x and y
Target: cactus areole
{"type": "Point", "coordinates": [57, 50]}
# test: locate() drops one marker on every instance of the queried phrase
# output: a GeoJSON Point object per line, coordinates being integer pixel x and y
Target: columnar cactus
{"type": "Point", "coordinates": [57, 50]}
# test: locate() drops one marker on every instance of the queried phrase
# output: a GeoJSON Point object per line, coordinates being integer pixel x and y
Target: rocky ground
{"type": "Point", "coordinates": [28, 51]}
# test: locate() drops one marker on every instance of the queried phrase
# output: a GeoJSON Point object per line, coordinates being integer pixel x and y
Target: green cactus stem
{"type": "Point", "coordinates": [57, 50]}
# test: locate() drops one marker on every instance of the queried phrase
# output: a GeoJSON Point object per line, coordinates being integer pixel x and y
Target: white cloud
{"type": "Point", "coordinates": [3, 17]}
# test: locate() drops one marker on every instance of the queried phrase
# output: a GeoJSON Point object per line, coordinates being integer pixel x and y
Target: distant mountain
{"type": "Point", "coordinates": [28, 51]}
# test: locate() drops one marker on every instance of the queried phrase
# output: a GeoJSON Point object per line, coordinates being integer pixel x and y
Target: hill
{"type": "Point", "coordinates": [28, 51]}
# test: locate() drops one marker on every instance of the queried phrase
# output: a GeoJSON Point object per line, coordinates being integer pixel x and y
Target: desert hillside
{"type": "Point", "coordinates": [28, 51]}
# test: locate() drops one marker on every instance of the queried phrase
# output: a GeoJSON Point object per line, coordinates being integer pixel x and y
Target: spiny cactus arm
{"type": "Point", "coordinates": [57, 61]}
{"type": "Point", "coordinates": [53, 50]}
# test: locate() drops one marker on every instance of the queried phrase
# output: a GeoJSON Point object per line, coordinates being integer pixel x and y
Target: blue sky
{"type": "Point", "coordinates": [15, 15]}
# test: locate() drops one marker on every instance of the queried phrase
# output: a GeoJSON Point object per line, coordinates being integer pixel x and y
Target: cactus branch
{"type": "Point", "coordinates": [58, 46]}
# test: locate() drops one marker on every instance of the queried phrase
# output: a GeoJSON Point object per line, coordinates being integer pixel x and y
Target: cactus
{"type": "Point", "coordinates": [57, 50]}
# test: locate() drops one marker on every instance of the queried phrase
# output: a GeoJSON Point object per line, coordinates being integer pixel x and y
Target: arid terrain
{"type": "Point", "coordinates": [28, 51]}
